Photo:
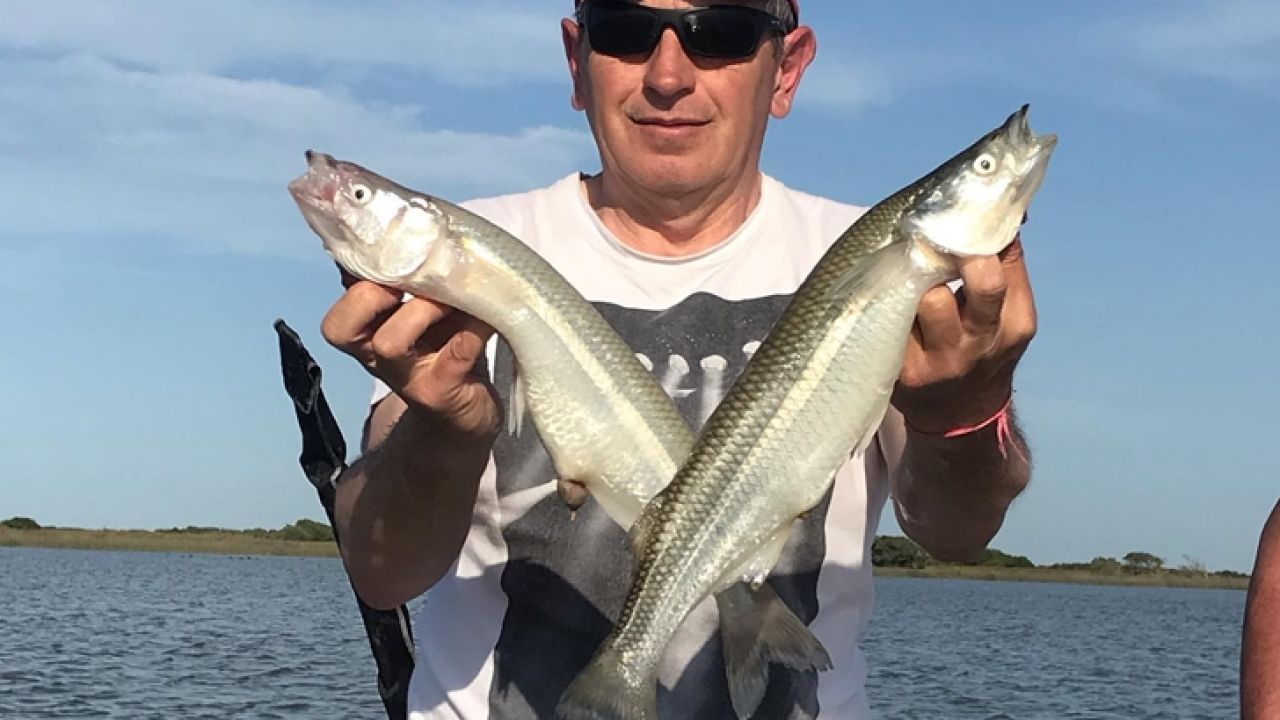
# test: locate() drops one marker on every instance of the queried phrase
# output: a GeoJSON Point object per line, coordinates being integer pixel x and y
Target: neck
{"type": "Point", "coordinates": [672, 225]}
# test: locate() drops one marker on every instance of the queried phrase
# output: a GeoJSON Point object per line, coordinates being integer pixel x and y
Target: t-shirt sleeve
{"type": "Point", "coordinates": [891, 441]}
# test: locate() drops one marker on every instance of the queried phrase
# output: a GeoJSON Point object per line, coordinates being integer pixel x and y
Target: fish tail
{"type": "Point", "coordinates": [609, 690]}
{"type": "Point", "coordinates": [757, 628]}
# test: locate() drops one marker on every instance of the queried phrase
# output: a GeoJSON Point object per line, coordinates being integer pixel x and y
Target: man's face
{"type": "Point", "coordinates": [673, 123]}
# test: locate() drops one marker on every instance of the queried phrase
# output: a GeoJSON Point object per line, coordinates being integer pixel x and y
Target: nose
{"type": "Point", "coordinates": [669, 73]}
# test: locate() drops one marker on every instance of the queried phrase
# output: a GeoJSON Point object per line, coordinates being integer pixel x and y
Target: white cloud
{"type": "Point", "coordinates": [473, 42]}
{"type": "Point", "coordinates": [1236, 41]}
{"type": "Point", "coordinates": [94, 148]}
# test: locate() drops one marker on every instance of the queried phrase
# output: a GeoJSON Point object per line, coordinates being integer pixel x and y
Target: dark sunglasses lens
{"type": "Point", "coordinates": [722, 32]}
{"type": "Point", "coordinates": [621, 29]}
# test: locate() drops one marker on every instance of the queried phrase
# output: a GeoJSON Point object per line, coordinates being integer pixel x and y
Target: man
{"type": "Point", "coordinates": [691, 253]}
{"type": "Point", "coordinates": [1260, 655]}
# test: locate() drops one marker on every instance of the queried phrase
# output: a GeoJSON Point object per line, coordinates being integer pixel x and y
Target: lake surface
{"type": "Point", "coordinates": [158, 635]}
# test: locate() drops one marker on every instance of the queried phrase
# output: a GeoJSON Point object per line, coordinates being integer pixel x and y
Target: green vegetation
{"type": "Point", "coordinates": [21, 523]}
{"type": "Point", "coordinates": [898, 551]}
{"type": "Point", "coordinates": [303, 530]}
{"type": "Point", "coordinates": [302, 538]}
{"type": "Point", "coordinates": [897, 556]}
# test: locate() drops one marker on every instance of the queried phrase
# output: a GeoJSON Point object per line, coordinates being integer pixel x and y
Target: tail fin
{"type": "Point", "coordinates": [608, 690]}
{"type": "Point", "coordinates": [758, 628]}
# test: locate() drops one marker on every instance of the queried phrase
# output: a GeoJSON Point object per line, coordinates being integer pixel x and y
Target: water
{"type": "Point", "coordinates": [159, 635]}
{"type": "Point", "coordinates": [968, 649]}
{"type": "Point", "coordinates": [165, 635]}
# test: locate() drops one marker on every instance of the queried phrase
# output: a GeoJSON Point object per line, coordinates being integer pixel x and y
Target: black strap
{"type": "Point", "coordinates": [323, 459]}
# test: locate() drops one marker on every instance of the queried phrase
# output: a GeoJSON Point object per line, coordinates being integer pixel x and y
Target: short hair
{"type": "Point", "coordinates": [781, 9]}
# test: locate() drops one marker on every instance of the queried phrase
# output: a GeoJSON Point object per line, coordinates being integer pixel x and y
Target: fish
{"type": "Point", "coordinates": [605, 420]}
{"type": "Point", "coordinates": [814, 394]}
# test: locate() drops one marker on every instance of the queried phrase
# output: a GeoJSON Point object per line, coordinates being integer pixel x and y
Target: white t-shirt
{"type": "Point", "coordinates": [534, 592]}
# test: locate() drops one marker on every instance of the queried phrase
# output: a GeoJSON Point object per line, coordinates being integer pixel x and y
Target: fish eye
{"type": "Point", "coordinates": [361, 193]}
{"type": "Point", "coordinates": [985, 164]}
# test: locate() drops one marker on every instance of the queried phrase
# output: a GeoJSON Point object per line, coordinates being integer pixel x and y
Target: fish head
{"type": "Point", "coordinates": [372, 227]}
{"type": "Point", "coordinates": [975, 202]}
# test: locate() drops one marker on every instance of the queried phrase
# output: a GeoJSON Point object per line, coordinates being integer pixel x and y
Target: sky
{"type": "Point", "coordinates": [147, 242]}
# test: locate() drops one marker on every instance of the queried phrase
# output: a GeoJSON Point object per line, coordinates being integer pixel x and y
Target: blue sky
{"type": "Point", "coordinates": [147, 242]}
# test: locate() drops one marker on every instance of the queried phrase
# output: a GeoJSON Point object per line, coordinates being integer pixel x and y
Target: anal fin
{"type": "Point", "coordinates": [757, 628]}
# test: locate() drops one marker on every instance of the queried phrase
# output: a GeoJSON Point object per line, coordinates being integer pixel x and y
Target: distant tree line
{"type": "Point", "coordinates": [898, 551]}
{"type": "Point", "coordinates": [886, 551]}
{"type": "Point", "coordinates": [304, 529]}
{"type": "Point", "coordinates": [21, 523]}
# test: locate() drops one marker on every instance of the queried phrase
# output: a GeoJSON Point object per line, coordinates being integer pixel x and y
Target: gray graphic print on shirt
{"type": "Point", "coordinates": [566, 580]}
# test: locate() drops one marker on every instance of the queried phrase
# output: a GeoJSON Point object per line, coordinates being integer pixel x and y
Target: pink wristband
{"type": "Point", "coordinates": [1004, 430]}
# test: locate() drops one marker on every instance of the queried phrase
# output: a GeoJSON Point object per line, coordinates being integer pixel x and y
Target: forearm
{"type": "Point", "coordinates": [951, 494]}
{"type": "Point", "coordinates": [1260, 655]}
{"type": "Point", "coordinates": [404, 508]}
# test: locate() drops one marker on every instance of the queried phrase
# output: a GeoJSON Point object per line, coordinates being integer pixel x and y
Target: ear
{"type": "Point", "coordinates": [798, 50]}
{"type": "Point", "coordinates": [571, 36]}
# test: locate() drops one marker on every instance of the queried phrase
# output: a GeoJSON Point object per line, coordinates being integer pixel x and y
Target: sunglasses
{"type": "Point", "coordinates": [728, 32]}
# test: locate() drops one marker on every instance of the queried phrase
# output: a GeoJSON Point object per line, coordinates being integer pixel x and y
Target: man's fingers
{"type": "Point", "coordinates": [462, 350]}
{"type": "Point", "coordinates": [398, 337]}
{"type": "Point", "coordinates": [984, 294]}
{"type": "Point", "coordinates": [1020, 319]}
{"type": "Point", "coordinates": [938, 320]}
{"type": "Point", "coordinates": [351, 322]}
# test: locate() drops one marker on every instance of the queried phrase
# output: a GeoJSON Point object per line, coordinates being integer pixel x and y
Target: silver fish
{"type": "Point", "coordinates": [605, 420]}
{"type": "Point", "coordinates": [815, 392]}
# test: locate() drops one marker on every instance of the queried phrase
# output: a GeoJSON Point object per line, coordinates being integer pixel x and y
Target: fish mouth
{"type": "Point", "coordinates": [1035, 151]}
{"type": "Point", "coordinates": [318, 187]}
{"type": "Point", "coordinates": [1017, 130]}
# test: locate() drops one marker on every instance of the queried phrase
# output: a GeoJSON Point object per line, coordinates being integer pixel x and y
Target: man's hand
{"type": "Point", "coordinates": [426, 352]}
{"type": "Point", "coordinates": [403, 508]}
{"type": "Point", "coordinates": [961, 356]}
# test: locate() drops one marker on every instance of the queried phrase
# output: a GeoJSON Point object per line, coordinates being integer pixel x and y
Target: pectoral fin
{"type": "Point", "coordinates": [865, 272]}
{"type": "Point", "coordinates": [516, 402]}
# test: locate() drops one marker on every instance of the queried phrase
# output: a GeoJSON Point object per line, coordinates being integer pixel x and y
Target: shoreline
{"type": "Point", "coordinates": [1163, 578]}
{"type": "Point", "coordinates": [219, 543]}
{"type": "Point", "coordinates": [242, 543]}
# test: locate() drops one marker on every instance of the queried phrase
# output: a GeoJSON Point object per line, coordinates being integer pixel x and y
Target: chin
{"type": "Point", "coordinates": [673, 178]}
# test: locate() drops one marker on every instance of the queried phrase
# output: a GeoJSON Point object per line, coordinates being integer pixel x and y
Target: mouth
{"type": "Point", "coordinates": [1018, 129]}
{"type": "Point", "coordinates": [318, 187]}
{"type": "Point", "coordinates": [673, 123]}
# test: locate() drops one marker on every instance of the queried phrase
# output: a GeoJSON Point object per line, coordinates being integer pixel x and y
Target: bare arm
{"type": "Point", "coordinates": [951, 493]}
{"type": "Point", "coordinates": [403, 509]}
{"type": "Point", "coordinates": [1260, 653]}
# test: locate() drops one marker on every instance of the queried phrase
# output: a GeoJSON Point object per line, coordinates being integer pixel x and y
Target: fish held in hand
{"type": "Point", "coordinates": [813, 394]}
{"type": "Point", "coordinates": [607, 424]}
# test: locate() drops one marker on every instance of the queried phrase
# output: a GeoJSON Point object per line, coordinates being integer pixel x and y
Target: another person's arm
{"type": "Point", "coordinates": [951, 493]}
{"type": "Point", "coordinates": [1260, 651]}
{"type": "Point", "coordinates": [403, 509]}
